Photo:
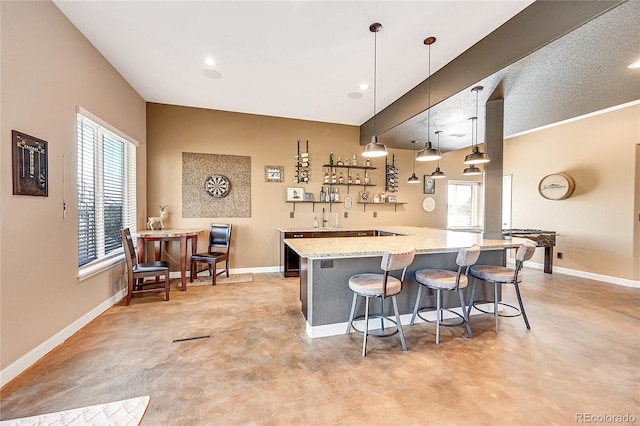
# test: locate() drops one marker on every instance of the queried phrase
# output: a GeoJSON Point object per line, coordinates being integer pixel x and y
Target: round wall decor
{"type": "Point", "coordinates": [217, 186]}
{"type": "Point", "coordinates": [557, 186]}
{"type": "Point", "coordinates": [429, 204]}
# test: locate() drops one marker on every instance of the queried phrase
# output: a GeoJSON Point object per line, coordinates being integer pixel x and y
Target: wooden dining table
{"type": "Point", "coordinates": [163, 235]}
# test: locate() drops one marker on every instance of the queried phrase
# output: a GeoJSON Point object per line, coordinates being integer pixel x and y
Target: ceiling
{"type": "Point", "coordinates": [296, 59]}
{"type": "Point", "coordinates": [306, 60]}
{"type": "Point", "coordinates": [584, 71]}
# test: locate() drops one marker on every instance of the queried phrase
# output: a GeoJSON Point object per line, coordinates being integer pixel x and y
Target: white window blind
{"type": "Point", "coordinates": [106, 193]}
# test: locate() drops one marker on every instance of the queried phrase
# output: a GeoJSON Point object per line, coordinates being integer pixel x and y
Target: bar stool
{"type": "Point", "coordinates": [382, 286]}
{"type": "Point", "coordinates": [443, 279]}
{"type": "Point", "coordinates": [499, 275]}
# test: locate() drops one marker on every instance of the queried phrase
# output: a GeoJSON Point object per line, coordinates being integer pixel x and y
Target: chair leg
{"type": "Point", "coordinates": [213, 273]}
{"type": "Point", "coordinates": [495, 303]}
{"type": "Point", "coordinates": [193, 272]}
{"type": "Point", "coordinates": [418, 300]}
{"type": "Point", "coordinates": [129, 290]}
{"type": "Point", "coordinates": [395, 308]}
{"type": "Point", "coordinates": [366, 326]}
{"type": "Point", "coordinates": [167, 285]}
{"type": "Point", "coordinates": [524, 315]}
{"type": "Point", "coordinates": [353, 311]}
{"type": "Point", "coordinates": [438, 312]}
{"type": "Point", "coordinates": [464, 313]}
{"type": "Point", "coordinates": [226, 264]}
{"type": "Point", "coordinates": [472, 299]}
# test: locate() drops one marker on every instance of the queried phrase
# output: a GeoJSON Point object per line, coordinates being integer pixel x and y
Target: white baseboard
{"type": "Point", "coordinates": [257, 270]}
{"type": "Point", "coordinates": [582, 274]}
{"type": "Point", "coordinates": [24, 362]}
{"type": "Point", "coordinates": [341, 327]}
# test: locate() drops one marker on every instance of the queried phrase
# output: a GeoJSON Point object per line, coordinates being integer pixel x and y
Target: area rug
{"type": "Point", "coordinates": [127, 412]}
{"type": "Point", "coordinates": [205, 279]}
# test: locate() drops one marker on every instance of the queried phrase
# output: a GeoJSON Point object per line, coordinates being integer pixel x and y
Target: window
{"type": "Point", "coordinates": [106, 193]}
{"type": "Point", "coordinates": [463, 204]}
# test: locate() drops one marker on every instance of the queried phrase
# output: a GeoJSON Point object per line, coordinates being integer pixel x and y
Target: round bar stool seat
{"type": "Point", "coordinates": [371, 285]}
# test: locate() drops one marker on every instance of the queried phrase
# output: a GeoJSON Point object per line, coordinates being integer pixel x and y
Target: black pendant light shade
{"type": "Point", "coordinates": [413, 178]}
{"type": "Point", "coordinates": [476, 156]}
{"type": "Point", "coordinates": [438, 174]}
{"type": "Point", "coordinates": [428, 153]}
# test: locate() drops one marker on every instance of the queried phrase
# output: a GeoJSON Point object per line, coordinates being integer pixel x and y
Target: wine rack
{"type": "Point", "coordinates": [302, 165]}
{"type": "Point", "coordinates": [391, 175]}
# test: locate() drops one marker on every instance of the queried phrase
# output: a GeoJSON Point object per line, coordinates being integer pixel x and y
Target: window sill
{"type": "Point", "coordinates": [92, 269]}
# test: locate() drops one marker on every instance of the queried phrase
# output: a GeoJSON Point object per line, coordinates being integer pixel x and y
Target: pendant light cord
{"type": "Point", "coordinates": [375, 76]}
{"type": "Point", "coordinates": [429, 97]}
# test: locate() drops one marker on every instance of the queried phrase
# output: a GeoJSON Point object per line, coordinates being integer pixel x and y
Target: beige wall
{"type": "Point", "coordinates": [596, 224]}
{"type": "Point", "coordinates": [269, 141]}
{"type": "Point", "coordinates": [49, 68]}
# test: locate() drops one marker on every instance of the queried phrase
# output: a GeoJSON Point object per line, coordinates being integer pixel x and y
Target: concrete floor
{"type": "Point", "coordinates": [581, 357]}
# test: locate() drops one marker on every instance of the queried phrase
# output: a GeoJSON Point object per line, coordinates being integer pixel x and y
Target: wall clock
{"type": "Point", "coordinates": [557, 186]}
{"type": "Point", "coordinates": [217, 186]}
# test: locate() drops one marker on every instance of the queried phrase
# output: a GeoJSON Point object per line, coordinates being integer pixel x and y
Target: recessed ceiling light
{"type": "Point", "coordinates": [212, 74]}
{"type": "Point", "coordinates": [355, 95]}
{"type": "Point", "coordinates": [634, 65]}
{"type": "Point", "coordinates": [209, 61]}
{"type": "Point", "coordinates": [364, 86]}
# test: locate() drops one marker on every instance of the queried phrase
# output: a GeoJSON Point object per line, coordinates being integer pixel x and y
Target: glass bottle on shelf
{"type": "Point", "coordinates": [367, 163]}
{"type": "Point", "coordinates": [346, 161]}
{"type": "Point", "coordinates": [334, 178]}
{"type": "Point", "coordinates": [339, 162]}
{"type": "Point", "coordinates": [326, 175]}
{"type": "Point", "coordinates": [366, 177]}
{"type": "Point", "coordinates": [336, 197]}
{"type": "Point", "coordinates": [341, 178]}
{"type": "Point", "coordinates": [354, 162]}
{"type": "Point", "coordinates": [331, 158]}
{"type": "Point", "coordinates": [358, 181]}
{"type": "Point", "coordinates": [322, 194]}
{"type": "Point", "coordinates": [349, 179]}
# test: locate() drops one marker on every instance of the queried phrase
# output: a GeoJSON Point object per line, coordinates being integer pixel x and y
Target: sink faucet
{"type": "Point", "coordinates": [324, 219]}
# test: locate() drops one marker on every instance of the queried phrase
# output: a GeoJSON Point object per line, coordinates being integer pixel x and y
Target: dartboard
{"type": "Point", "coordinates": [217, 186]}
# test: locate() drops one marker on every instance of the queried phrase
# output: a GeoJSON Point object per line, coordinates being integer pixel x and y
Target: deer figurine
{"type": "Point", "coordinates": [156, 222]}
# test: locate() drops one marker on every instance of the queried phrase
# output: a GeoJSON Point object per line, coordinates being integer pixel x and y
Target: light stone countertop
{"type": "Point", "coordinates": [425, 240]}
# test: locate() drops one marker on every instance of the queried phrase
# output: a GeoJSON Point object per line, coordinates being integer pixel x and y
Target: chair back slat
{"type": "Point", "coordinates": [129, 249]}
{"type": "Point", "coordinates": [525, 251]}
{"type": "Point", "coordinates": [468, 256]}
{"type": "Point", "coordinates": [393, 261]}
{"type": "Point", "coordinates": [219, 236]}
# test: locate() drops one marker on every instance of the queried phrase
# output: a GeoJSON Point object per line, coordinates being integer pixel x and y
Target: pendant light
{"type": "Point", "coordinates": [413, 178]}
{"type": "Point", "coordinates": [374, 148]}
{"type": "Point", "coordinates": [476, 157]}
{"type": "Point", "coordinates": [472, 170]}
{"type": "Point", "coordinates": [438, 174]}
{"type": "Point", "coordinates": [428, 153]}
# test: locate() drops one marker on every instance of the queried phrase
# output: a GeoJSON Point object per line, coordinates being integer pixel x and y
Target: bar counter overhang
{"type": "Point", "coordinates": [327, 263]}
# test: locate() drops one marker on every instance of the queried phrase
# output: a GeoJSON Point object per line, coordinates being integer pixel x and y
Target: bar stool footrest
{"type": "Point", "coordinates": [506, 305]}
{"type": "Point", "coordinates": [378, 332]}
{"type": "Point", "coordinates": [447, 322]}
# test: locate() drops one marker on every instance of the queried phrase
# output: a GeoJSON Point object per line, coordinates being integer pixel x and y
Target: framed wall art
{"type": "Point", "coordinates": [429, 185]}
{"type": "Point", "coordinates": [30, 165]}
{"type": "Point", "coordinates": [295, 194]}
{"type": "Point", "coordinates": [273, 173]}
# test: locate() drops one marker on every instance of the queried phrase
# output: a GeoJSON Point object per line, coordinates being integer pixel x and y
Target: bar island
{"type": "Point", "coordinates": [327, 262]}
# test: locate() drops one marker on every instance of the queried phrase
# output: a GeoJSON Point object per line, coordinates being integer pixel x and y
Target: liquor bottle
{"type": "Point", "coordinates": [315, 223]}
{"type": "Point", "coordinates": [341, 178]}
{"type": "Point", "coordinates": [349, 180]}
{"type": "Point", "coordinates": [339, 162]}
{"type": "Point", "coordinates": [322, 194]}
{"type": "Point", "coordinates": [330, 195]}
{"type": "Point", "coordinates": [326, 175]}
{"type": "Point", "coordinates": [331, 159]}
{"type": "Point", "coordinates": [346, 161]}
{"type": "Point", "coordinates": [358, 181]}
{"type": "Point", "coordinates": [367, 163]}
{"type": "Point", "coordinates": [366, 178]}
{"type": "Point", "coordinates": [334, 178]}
{"type": "Point", "coordinates": [336, 197]}
{"type": "Point", "coordinates": [354, 162]}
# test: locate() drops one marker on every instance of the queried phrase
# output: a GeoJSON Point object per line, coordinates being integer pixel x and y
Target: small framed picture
{"type": "Point", "coordinates": [308, 196]}
{"type": "Point", "coordinates": [273, 173]}
{"type": "Point", "coordinates": [295, 194]}
{"type": "Point", "coordinates": [392, 198]}
{"type": "Point", "coordinates": [30, 165]}
{"type": "Point", "coordinates": [429, 185]}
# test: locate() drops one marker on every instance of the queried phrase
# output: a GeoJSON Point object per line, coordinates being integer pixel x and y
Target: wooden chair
{"type": "Point", "coordinates": [137, 272]}
{"type": "Point", "coordinates": [219, 244]}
